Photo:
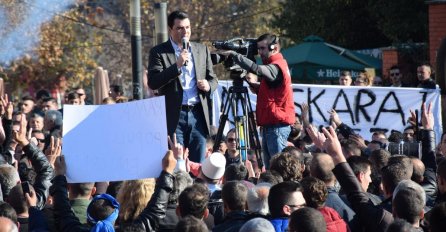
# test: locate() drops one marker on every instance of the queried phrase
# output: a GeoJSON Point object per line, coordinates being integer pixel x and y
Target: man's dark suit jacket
{"type": "Point", "coordinates": [164, 76]}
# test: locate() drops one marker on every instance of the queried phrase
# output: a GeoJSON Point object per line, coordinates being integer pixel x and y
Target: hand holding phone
{"type": "Point", "coordinates": [26, 187]}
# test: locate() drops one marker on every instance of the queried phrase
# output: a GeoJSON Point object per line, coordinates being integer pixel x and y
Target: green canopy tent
{"type": "Point", "coordinates": [314, 60]}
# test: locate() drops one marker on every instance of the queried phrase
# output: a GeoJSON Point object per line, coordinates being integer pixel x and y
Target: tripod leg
{"type": "Point", "coordinates": [255, 138]}
{"type": "Point", "coordinates": [223, 119]}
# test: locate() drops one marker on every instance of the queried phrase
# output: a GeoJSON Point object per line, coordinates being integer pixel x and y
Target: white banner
{"type": "Point", "coordinates": [124, 141]}
{"type": "Point", "coordinates": [362, 108]}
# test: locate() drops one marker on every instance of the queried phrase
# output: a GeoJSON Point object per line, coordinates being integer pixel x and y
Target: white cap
{"type": "Point", "coordinates": [213, 167]}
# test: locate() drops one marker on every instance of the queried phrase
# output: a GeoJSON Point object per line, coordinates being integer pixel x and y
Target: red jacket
{"type": "Point", "coordinates": [334, 221]}
{"type": "Point", "coordinates": [275, 105]}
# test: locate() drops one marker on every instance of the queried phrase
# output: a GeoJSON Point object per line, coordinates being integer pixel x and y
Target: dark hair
{"type": "Point", "coordinates": [191, 224]}
{"type": "Point", "coordinates": [394, 67]}
{"type": "Point", "coordinates": [404, 160]}
{"type": "Point", "coordinates": [81, 189]}
{"type": "Point", "coordinates": [194, 201]}
{"type": "Point", "coordinates": [287, 165]}
{"type": "Point", "coordinates": [418, 170]}
{"type": "Point", "coordinates": [400, 225]}
{"type": "Point", "coordinates": [43, 93]}
{"type": "Point", "coordinates": [7, 211]}
{"type": "Point", "coordinates": [234, 195]}
{"type": "Point", "coordinates": [408, 204]}
{"type": "Point", "coordinates": [17, 199]}
{"type": "Point", "coordinates": [379, 159]}
{"type": "Point", "coordinates": [437, 219]}
{"type": "Point", "coordinates": [392, 174]}
{"type": "Point", "coordinates": [346, 73]}
{"type": "Point", "coordinates": [116, 89]}
{"type": "Point", "coordinates": [270, 176]}
{"type": "Point", "coordinates": [270, 38]}
{"type": "Point", "coordinates": [441, 169]}
{"type": "Point", "coordinates": [279, 196]}
{"type": "Point", "coordinates": [28, 98]}
{"type": "Point", "coordinates": [235, 171]}
{"type": "Point", "coordinates": [395, 136]}
{"type": "Point", "coordinates": [350, 146]}
{"type": "Point", "coordinates": [314, 191]}
{"type": "Point", "coordinates": [73, 95]}
{"type": "Point", "coordinates": [100, 209]}
{"type": "Point", "coordinates": [49, 99]}
{"type": "Point", "coordinates": [307, 219]}
{"type": "Point", "coordinates": [178, 14]}
{"type": "Point", "coordinates": [321, 169]}
{"type": "Point", "coordinates": [359, 164]}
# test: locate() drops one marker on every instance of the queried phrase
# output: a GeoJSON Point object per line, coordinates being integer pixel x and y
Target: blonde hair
{"type": "Point", "coordinates": [133, 197]}
{"type": "Point", "coordinates": [121, 99]}
{"type": "Point", "coordinates": [367, 77]}
{"type": "Point", "coordinates": [108, 101]}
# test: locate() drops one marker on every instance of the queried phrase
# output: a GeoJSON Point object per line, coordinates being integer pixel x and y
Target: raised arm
{"type": "Point", "coordinates": [64, 216]}
{"type": "Point", "coordinates": [156, 208]}
{"type": "Point", "coordinates": [372, 217]}
{"type": "Point", "coordinates": [428, 151]}
{"type": "Point", "coordinates": [39, 162]}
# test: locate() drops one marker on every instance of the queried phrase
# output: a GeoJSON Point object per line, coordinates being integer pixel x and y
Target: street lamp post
{"type": "Point", "coordinates": [135, 27]}
{"type": "Point", "coordinates": [160, 22]}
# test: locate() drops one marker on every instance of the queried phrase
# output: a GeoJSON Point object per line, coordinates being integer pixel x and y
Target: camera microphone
{"type": "Point", "coordinates": [185, 42]}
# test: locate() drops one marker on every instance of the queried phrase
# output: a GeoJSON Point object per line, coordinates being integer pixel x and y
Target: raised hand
{"type": "Point", "coordinates": [333, 146]}
{"type": "Point", "coordinates": [335, 117]}
{"type": "Point", "coordinates": [358, 140]}
{"type": "Point", "coordinates": [427, 117]}
{"type": "Point", "coordinates": [317, 137]}
{"type": "Point", "coordinates": [20, 136]}
{"type": "Point", "coordinates": [169, 162]}
{"type": "Point", "coordinates": [7, 106]}
{"type": "Point", "coordinates": [305, 114]}
{"type": "Point", "coordinates": [60, 167]}
{"type": "Point", "coordinates": [178, 150]}
{"type": "Point", "coordinates": [53, 150]}
{"type": "Point", "coordinates": [31, 198]}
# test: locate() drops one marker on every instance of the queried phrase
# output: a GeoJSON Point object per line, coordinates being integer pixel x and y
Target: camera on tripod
{"type": "Point", "coordinates": [245, 47]}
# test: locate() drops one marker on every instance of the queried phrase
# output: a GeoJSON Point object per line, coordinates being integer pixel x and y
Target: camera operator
{"type": "Point", "coordinates": [275, 105]}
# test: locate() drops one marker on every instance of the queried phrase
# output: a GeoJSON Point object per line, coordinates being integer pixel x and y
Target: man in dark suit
{"type": "Point", "coordinates": [184, 75]}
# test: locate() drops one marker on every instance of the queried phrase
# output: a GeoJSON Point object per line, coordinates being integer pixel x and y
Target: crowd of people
{"type": "Point", "coordinates": [330, 179]}
{"type": "Point", "coordinates": [424, 78]}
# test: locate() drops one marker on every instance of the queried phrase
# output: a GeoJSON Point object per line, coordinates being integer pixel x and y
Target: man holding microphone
{"type": "Point", "coordinates": [182, 72]}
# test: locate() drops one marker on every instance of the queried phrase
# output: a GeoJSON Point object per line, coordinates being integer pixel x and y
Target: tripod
{"type": "Point", "coordinates": [245, 126]}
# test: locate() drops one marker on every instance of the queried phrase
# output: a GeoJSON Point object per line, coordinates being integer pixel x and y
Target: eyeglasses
{"type": "Point", "coordinates": [231, 140]}
{"type": "Point", "coordinates": [394, 74]}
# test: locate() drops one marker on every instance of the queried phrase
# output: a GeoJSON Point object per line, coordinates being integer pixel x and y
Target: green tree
{"type": "Point", "coordinates": [354, 24]}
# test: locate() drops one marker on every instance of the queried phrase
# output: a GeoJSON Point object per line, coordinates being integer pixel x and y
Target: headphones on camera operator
{"type": "Point", "coordinates": [273, 42]}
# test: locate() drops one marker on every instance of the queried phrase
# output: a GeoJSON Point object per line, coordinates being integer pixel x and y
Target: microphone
{"type": "Point", "coordinates": [185, 42]}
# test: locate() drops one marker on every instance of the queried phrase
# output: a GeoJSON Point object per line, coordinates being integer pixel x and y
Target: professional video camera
{"type": "Point", "coordinates": [405, 148]}
{"type": "Point", "coordinates": [237, 100]}
{"type": "Point", "coordinates": [245, 47]}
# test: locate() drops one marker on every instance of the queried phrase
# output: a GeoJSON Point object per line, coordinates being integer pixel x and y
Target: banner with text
{"type": "Point", "coordinates": [365, 109]}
